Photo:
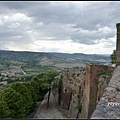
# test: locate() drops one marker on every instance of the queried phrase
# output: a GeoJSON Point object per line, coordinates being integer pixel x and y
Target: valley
{"type": "Point", "coordinates": [21, 66]}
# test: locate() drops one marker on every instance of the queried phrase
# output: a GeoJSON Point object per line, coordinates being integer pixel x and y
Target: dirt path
{"type": "Point", "coordinates": [52, 112]}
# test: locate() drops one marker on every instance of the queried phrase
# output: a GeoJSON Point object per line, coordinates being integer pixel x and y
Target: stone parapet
{"type": "Point", "coordinates": [109, 105]}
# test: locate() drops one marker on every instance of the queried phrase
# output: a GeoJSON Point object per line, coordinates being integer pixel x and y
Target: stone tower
{"type": "Point", "coordinates": [118, 45]}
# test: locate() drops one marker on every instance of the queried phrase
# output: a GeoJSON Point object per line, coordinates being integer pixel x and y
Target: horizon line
{"type": "Point", "coordinates": [57, 52]}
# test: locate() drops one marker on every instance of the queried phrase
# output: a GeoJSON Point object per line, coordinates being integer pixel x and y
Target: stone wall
{"type": "Point", "coordinates": [102, 84]}
{"type": "Point", "coordinates": [118, 45]}
{"type": "Point", "coordinates": [65, 101]}
{"type": "Point", "coordinates": [89, 83]}
{"type": "Point", "coordinates": [73, 81]}
{"type": "Point", "coordinates": [93, 88]}
{"type": "Point", "coordinates": [109, 105]}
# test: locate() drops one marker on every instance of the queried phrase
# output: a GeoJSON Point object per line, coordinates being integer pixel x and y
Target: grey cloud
{"type": "Point", "coordinates": [102, 14]}
{"type": "Point", "coordinates": [90, 17]}
{"type": "Point", "coordinates": [95, 16]}
{"type": "Point", "coordinates": [108, 43]}
{"type": "Point", "coordinates": [19, 4]}
{"type": "Point", "coordinates": [52, 14]}
{"type": "Point", "coordinates": [89, 37]}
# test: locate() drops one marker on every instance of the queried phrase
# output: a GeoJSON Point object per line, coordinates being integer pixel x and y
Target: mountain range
{"type": "Point", "coordinates": [52, 58]}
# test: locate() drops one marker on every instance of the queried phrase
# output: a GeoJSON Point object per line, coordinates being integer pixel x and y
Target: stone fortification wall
{"type": "Point", "coordinates": [118, 45]}
{"type": "Point", "coordinates": [97, 78]}
{"type": "Point", "coordinates": [109, 104]}
{"type": "Point", "coordinates": [73, 81]}
{"type": "Point", "coordinates": [88, 83]}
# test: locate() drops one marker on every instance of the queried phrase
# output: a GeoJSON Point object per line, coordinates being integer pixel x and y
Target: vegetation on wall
{"type": "Point", "coordinates": [113, 57]}
{"type": "Point", "coordinates": [106, 72]}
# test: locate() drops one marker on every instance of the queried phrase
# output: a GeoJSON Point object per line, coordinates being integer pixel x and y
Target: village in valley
{"type": "Point", "coordinates": [19, 66]}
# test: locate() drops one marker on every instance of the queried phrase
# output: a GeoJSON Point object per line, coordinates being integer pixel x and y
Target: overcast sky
{"type": "Point", "coordinates": [67, 27]}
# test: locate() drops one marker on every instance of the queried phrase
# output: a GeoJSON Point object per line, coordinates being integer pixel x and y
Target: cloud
{"type": "Point", "coordinates": [84, 23]}
{"type": "Point", "coordinates": [91, 36]}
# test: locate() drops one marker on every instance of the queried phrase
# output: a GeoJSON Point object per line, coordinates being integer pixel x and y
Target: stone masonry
{"type": "Point", "coordinates": [118, 45]}
{"type": "Point", "coordinates": [88, 83]}
{"type": "Point", "coordinates": [109, 105]}
{"type": "Point", "coordinates": [73, 82]}
{"type": "Point", "coordinates": [94, 88]}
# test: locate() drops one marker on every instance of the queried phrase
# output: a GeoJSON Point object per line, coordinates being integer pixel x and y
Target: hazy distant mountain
{"type": "Point", "coordinates": [108, 55]}
{"type": "Point", "coordinates": [82, 56]}
{"type": "Point", "coordinates": [51, 58]}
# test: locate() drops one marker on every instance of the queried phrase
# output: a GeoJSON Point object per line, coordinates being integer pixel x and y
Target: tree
{"type": "Point", "coordinates": [4, 110]}
{"type": "Point", "coordinates": [32, 91]}
{"type": "Point", "coordinates": [113, 57]}
{"type": "Point", "coordinates": [35, 85]}
{"type": "Point", "coordinates": [37, 82]}
{"type": "Point", "coordinates": [42, 89]}
{"type": "Point", "coordinates": [48, 82]}
{"type": "Point", "coordinates": [55, 84]}
{"type": "Point", "coordinates": [15, 103]}
{"type": "Point", "coordinates": [26, 95]}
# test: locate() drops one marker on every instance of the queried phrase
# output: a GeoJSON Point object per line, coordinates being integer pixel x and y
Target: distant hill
{"type": "Point", "coordinates": [82, 56]}
{"type": "Point", "coordinates": [51, 58]}
{"type": "Point", "coordinates": [108, 55]}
